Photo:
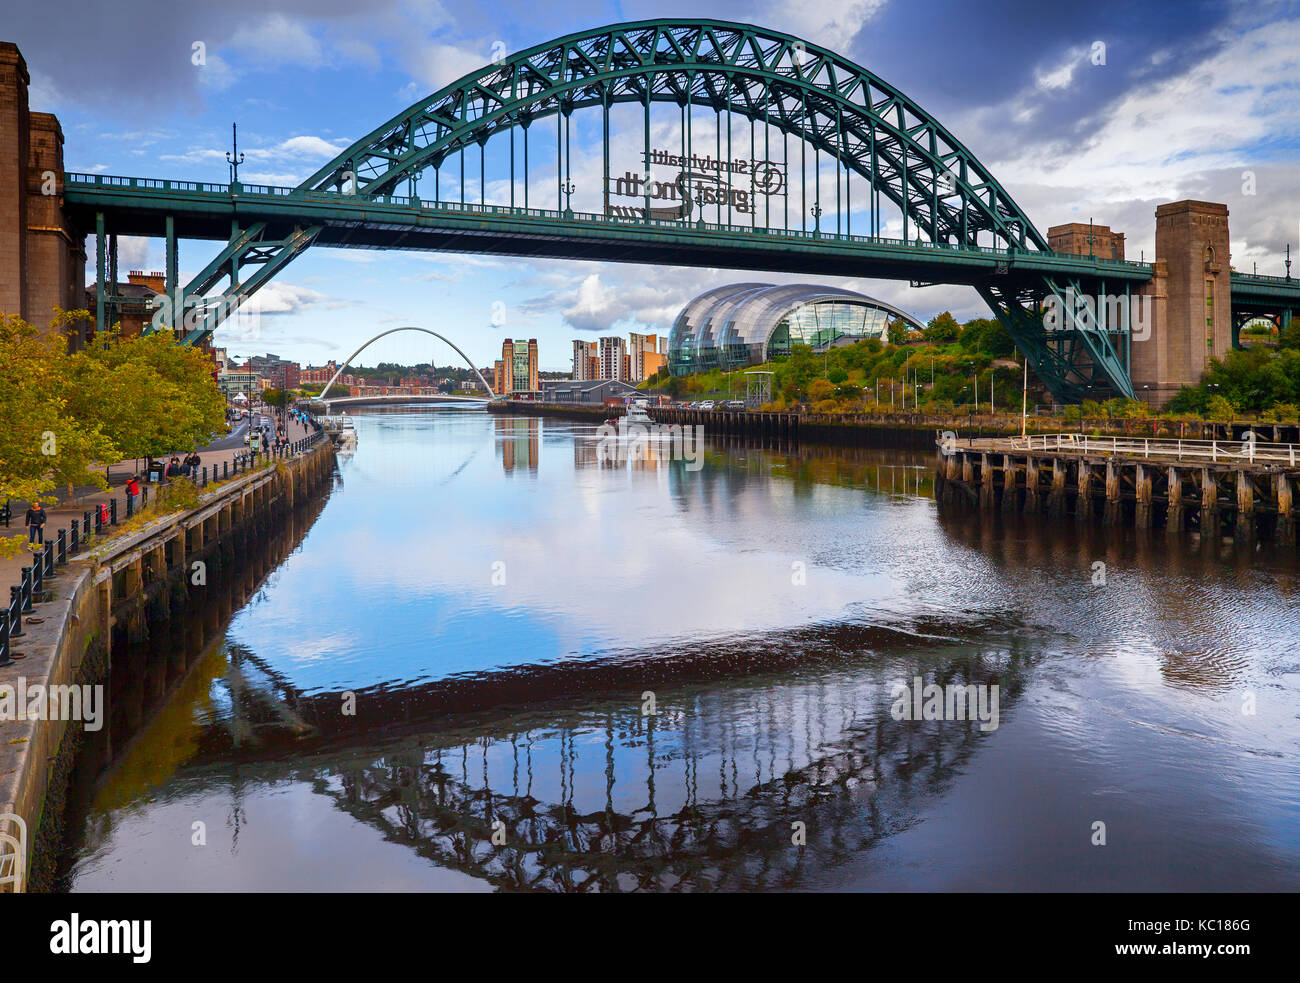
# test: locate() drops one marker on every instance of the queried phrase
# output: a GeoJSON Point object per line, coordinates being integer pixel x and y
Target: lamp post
{"type": "Point", "coordinates": [237, 158]}
{"type": "Point", "coordinates": [817, 219]}
{"type": "Point", "coordinates": [1024, 401]}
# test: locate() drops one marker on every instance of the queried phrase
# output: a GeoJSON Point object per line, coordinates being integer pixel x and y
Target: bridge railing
{"type": "Point", "coordinates": [336, 198]}
{"type": "Point", "coordinates": [1205, 451]}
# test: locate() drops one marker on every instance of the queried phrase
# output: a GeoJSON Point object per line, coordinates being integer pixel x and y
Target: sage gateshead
{"type": "Point", "coordinates": [751, 323]}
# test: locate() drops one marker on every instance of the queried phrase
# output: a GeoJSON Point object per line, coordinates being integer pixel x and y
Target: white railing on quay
{"type": "Point", "coordinates": [1212, 451]}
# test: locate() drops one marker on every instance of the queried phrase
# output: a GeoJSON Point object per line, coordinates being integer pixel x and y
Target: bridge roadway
{"type": "Point", "coordinates": [140, 206]}
{"type": "Point", "coordinates": [345, 401]}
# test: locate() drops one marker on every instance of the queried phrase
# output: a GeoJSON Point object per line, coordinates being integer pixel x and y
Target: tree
{"type": "Point", "coordinates": [820, 389]}
{"type": "Point", "coordinates": [147, 394]}
{"type": "Point", "coordinates": [42, 444]}
{"type": "Point", "coordinates": [897, 331]}
{"type": "Point", "coordinates": [1218, 408]}
{"type": "Point", "coordinates": [279, 398]}
{"type": "Point", "coordinates": [942, 329]}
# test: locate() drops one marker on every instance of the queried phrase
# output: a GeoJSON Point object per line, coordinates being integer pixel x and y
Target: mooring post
{"type": "Point", "coordinates": [986, 482]}
{"type": "Point", "coordinates": [1285, 520]}
{"type": "Point", "coordinates": [1244, 528]}
{"type": "Point", "coordinates": [1174, 497]}
{"type": "Point", "coordinates": [1010, 478]}
{"type": "Point", "coordinates": [1113, 512]}
{"type": "Point", "coordinates": [1142, 488]}
{"type": "Point", "coordinates": [1057, 497]}
{"type": "Point", "coordinates": [1031, 484]}
{"type": "Point", "coordinates": [1209, 505]}
{"type": "Point", "coordinates": [1083, 503]}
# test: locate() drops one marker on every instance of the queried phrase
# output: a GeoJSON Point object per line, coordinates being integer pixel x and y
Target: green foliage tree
{"type": "Point", "coordinates": [147, 394]}
{"type": "Point", "coordinates": [897, 331]}
{"type": "Point", "coordinates": [942, 328]}
{"type": "Point", "coordinates": [43, 444]}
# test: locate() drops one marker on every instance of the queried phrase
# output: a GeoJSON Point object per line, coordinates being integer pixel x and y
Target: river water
{"type": "Point", "coordinates": [498, 662]}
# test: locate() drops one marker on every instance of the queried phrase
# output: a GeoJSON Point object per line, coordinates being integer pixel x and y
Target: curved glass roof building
{"type": "Point", "coordinates": [750, 323]}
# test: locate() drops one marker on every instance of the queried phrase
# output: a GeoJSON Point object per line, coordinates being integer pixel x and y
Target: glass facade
{"type": "Point", "coordinates": [749, 323]}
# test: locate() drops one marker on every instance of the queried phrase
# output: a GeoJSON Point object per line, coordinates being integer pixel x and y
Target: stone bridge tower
{"type": "Point", "coordinates": [42, 257]}
{"type": "Point", "coordinates": [1193, 291]}
{"type": "Point", "coordinates": [1186, 309]}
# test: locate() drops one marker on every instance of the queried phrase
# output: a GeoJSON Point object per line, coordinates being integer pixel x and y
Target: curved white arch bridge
{"type": "Point", "coordinates": [408, 327]}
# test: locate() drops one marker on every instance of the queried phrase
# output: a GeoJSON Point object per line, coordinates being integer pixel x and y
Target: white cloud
{"type": "Point", "coordinates": [278, 40]}
{"type": "Point", "coordinates": [831, 23]}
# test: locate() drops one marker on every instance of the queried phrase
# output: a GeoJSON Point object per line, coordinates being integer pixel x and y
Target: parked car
{"type": "Point", "coordinates": [708, 404]}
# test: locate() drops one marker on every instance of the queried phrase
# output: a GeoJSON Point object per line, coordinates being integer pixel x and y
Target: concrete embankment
{"type": "Point", "coordinates": [86, 633]}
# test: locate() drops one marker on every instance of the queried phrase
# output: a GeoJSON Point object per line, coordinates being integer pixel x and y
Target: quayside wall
{"type": "Point", "coordinates": [123, 615]}
{"type": "Point", "coordinates": [1213, 490]}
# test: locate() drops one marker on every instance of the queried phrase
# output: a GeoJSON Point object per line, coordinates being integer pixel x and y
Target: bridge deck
{"type": "Point", "coordinates": [139, 206]}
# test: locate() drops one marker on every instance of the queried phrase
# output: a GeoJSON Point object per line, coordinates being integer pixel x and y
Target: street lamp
{"type": "Point", "coordinates": [817, 218]}
{"type": "Point", "coordinates": [238, 158]}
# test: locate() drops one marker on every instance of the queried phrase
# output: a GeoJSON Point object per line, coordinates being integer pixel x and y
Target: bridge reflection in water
{"type": "Point", "coordinates": [588, 793]}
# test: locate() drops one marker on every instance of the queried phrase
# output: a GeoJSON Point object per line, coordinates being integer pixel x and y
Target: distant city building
{"type": "Point", "coordinates": [586, 362]}
{"type": "Point", "coordinates": [751, 323]}
{"type": "Point", "coordinates": [644, 359]}
{"type": "Point", "coordinates": [516, 370]}
{"type": "Point", "coordinates": [591, 392]}
{"type": "Point", "coordinates": [613, 358]}
{"type": "Point", "coordinates": [313, 375]}
{"type": "Point", "coordinates": [230, 383]}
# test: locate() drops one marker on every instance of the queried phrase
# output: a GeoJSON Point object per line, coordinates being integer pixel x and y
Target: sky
{"type": "Point", "coordinates": [1190, 100]}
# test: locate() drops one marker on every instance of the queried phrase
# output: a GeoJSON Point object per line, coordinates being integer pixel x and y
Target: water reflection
{"type": "Point", "coordinates": [766, 603]}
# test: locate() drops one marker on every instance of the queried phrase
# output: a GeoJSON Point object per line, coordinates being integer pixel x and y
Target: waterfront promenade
{"type": "Point", "coordinates": [219, 452]}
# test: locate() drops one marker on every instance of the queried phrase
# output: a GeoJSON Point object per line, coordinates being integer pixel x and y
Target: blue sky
{"type": "Point", "coordinates": [1191, 97]}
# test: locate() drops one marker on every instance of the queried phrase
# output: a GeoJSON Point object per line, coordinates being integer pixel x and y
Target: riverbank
{"type": "Point", "coordinates": [121, 590]}
{"type": "Point", "coordinates": [906, 430]}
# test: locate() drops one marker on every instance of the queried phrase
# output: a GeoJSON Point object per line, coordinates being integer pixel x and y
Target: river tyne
{"type": "Point", "coordinates": [498, 662]}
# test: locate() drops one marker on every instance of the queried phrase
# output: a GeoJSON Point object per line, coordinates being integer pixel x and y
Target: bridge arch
{"type": "Point", "coordinates": [409, 327]}
{"type": "Point", "coordinates": [938, 186]}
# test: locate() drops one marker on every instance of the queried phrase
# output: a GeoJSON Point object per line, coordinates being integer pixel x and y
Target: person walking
{"type": "Point", "coordinates": [132, 490]}
{"type": "Point", "coordinates": [36, 517]}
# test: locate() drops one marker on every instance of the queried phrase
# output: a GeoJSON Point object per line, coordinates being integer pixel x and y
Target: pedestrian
{"type": "Point", "coordinates": [132, 490]}
{"type": "Point", "coordinates": [174, 467]}
{"type": "Point", "coordinates": [36, 523]}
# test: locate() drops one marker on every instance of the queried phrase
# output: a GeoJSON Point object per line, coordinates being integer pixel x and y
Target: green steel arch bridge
{"type": "Point", "coordinates": [404, 186]}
